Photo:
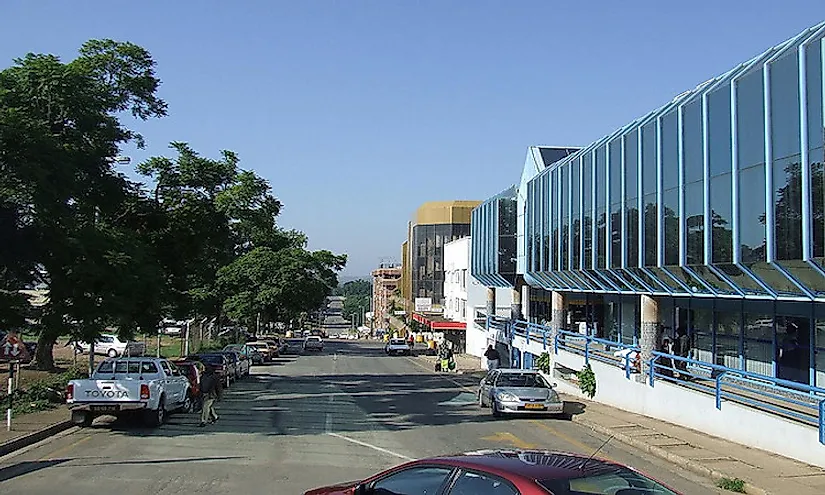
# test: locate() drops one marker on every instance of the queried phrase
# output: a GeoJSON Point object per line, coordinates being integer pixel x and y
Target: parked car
{"type": "Point", "coordinates": [111, 345]}
{"type": "Point", "coordinates": [268, 351]}
{"type": "Point", "coordinates": [518, 391]}
{"type": "Point", "coordinates": [151, 386]}
{"type": "Point", "coordinates": [242, 365]}
{"type": "Point", "coordinates": [509, 472]}
{"type": "Point", "coordinates": [313, 343]}
{"type": "Point", "coordinates": [397, 347]}
{"type": "Point", "coordinates": [246, 351]}
{"type": "Point", "coordinates": [224, 368]}
{"type": "Point", "coordinates": [193, 370]}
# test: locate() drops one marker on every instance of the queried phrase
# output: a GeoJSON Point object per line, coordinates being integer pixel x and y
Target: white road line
{"type": "Point", "coordinates": [371, 446]}
{"type": "Point", "coordinates": [328, 420]}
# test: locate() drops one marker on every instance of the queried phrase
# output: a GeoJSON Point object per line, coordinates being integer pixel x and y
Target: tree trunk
{"type": "Point", "coordinates": [43, 358]}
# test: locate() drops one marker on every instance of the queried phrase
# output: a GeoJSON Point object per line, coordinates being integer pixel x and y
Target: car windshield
{"type": "Point", "coordinates": [398, 342]}
{"type": "Point", "coordinates": [530, 380]}
{"type": "Point", "coordinates": [313, 339]}
{"type": "Point", "coordinates": [616, 482]}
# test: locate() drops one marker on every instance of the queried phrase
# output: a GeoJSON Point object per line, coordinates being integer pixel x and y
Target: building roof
{"type": "Point", "coordinates": [444, 212]}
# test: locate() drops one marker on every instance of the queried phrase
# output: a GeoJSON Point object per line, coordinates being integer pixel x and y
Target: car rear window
{"type": "Point", "coordinates": [610, 483]}
{"type": "Point", "coordinates": [398, 342]}
{"type": "Point", "coordinates": [127, 367]}
{"type": "Point", "coordinates": [212, 359]}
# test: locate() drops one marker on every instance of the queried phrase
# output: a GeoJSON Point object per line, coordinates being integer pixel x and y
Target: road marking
{"type": "Point", "coordinates": [461, 385]}
{"type": "Point", "coordinates": [507, 437]}
{"type": "Point", "coordinates": [64, 450]}
{"type": "Point", "coordinates": [586, 449]}
{"type": "Point", "coordinates": [371, 446]}
{"type": "Point", "coordinates": [328, 419]}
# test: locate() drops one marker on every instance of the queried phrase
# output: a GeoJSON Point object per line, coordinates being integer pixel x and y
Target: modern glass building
{"type": "Point", "coordinates": [713, 203]}
{"type": "Point", "coordinates": [435, 224]}
{"type": "Point", "coordinates": [494, 264]}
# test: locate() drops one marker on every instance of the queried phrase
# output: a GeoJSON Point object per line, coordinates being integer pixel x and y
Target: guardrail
{"type": "Point", "coordinates": [793, 400]}
{"type": "Point", "coordinates": [785, 398]}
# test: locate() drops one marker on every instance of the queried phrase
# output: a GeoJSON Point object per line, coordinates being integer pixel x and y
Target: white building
{"type": "Point", "coordinates": [465, 298]}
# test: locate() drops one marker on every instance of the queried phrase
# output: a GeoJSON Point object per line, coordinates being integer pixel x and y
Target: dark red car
{"type": "Point", "coordinates": [504, 472]}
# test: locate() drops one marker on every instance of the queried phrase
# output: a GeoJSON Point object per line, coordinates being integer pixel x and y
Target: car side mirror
{"type": "Point", "coordinates": [362, 489]}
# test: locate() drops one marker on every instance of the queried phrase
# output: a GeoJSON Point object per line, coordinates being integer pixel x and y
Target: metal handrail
{"type": "Point", "coordinates": [774, 395]}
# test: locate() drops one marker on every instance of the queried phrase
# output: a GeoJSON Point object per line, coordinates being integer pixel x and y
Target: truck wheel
{"type": "Point", "coordinates": [112, 353]}
{"type": "Point", "coordinates": [82, 418]}
{"type": "Point", "coordinates": [188, 404]}
{"type": "Point", "coordinates": [156, 417]}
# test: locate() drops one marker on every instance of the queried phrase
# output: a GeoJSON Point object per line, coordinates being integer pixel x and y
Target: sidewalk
{"type": "Point", "coordinates": [764, 473]}
{"type": "Point", "coordinates": [33, 427]}
{"type": "Point", "coordinates": [464, 363]}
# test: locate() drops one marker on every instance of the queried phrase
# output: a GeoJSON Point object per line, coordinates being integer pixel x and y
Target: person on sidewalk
{"type": "Point", "coordinates": [211, 389]}
{"type": "Point", "coordinates": [493, 358]}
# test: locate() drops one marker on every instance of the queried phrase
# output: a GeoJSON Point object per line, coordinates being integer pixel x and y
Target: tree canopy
{"type": "Point", "coordinates": [202, 240]}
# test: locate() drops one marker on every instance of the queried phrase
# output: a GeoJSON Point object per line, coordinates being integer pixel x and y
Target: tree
{"type": "Point", "coordinates": [59, 126]}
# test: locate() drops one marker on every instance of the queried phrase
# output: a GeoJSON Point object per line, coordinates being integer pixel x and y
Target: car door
{"type": "Point", "coordinates": [171, 384]}
{"type": "Point", "coordinates": [476, 482]}
{"type": "Point", "coordinates": [420, 480]}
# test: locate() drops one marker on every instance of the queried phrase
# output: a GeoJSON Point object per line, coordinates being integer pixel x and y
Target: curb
{"type": "Point", "coordinates": [33, 437]}
{"type": "Point", "coordinates": [684, 462]}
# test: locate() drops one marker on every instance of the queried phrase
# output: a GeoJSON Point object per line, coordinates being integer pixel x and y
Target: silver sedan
{"type": "Point", "coordinates": [515, 391]}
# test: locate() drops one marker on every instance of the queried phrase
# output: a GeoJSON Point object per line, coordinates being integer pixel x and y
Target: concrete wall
{"type": "Point", "coordinates": [684, 407]}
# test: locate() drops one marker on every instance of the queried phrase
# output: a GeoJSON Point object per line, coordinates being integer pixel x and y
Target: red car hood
{"type": "Point", "coordinates": [347, 488]}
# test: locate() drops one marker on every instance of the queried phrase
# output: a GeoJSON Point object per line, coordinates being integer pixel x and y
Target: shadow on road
{"type": "Point", "coordinates": [23, 468]}
{"type": "Point", "coordinates": [268, 403]}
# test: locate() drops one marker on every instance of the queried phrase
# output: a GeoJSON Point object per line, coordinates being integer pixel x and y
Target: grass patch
{"type": "Point", "coordinates": [731, 484]}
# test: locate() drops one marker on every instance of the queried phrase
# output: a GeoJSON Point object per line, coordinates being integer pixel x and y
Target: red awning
{"type": "Point", "coordinates": [438, 323]}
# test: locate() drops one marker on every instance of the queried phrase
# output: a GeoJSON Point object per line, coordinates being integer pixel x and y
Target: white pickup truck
{"type": "Point", "coordinates": [150, 386]}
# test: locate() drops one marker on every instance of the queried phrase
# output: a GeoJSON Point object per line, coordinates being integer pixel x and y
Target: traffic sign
{"type": "Point", "coordinates": [13, 349]}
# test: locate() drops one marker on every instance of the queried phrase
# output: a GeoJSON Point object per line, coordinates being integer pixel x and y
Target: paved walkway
{"type": "Point", "coordinates": [464, 363]}
{"type": "Point", "coordinates": [762, 471]}
{"type": "Point", "coordinates": [26, 424]}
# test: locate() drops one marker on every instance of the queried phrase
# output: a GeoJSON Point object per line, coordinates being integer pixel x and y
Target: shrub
{"type": "Point", "coordinates": [587, 381]}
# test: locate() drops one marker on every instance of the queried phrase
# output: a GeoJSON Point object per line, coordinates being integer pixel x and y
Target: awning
{"type": "Point", "coordinates": [438, 323]}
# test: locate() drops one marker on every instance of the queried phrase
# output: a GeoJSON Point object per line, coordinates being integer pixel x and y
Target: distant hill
{"type": "Point", "coordinates": [342, 279]}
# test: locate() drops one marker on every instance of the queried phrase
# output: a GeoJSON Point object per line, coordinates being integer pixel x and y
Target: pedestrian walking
{"type": "Point", "coordinates": [211, 389]}
{"type": "Point", "coordinates": [493, 358]}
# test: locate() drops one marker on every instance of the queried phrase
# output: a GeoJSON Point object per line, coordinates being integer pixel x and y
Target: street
{"type": "Point", "coordinates": [303, 422]}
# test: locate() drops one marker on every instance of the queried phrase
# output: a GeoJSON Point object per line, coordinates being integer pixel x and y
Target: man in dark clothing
{"type": "Point", "coordinates": [493, 357]}
{"type": "Point", "coordinates": [211, 389]}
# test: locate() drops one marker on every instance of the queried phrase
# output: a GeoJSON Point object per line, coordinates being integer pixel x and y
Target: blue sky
{"type": "Point", "coordinates": [359, 111]}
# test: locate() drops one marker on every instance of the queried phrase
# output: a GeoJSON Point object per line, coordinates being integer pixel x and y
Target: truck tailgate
{"type": "Point", "coordinates": [106, 391]}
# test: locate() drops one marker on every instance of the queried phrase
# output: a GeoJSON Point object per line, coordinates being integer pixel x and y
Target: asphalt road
{"type": "Point", "coordinates": [303, 422]}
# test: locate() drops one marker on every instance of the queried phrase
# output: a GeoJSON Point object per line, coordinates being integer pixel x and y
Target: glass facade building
{"type": "Point", "coordinates": [428, 258]}
{"type": "Point", "coordinates": [714, 204]}
{"type": "Point", "coordinates": [494, 263]}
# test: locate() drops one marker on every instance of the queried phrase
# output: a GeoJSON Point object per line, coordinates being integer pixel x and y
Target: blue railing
{"type": "Point", "coordinates": [793, 400]}
{"type": "Point", "coordinates": [785, 398]}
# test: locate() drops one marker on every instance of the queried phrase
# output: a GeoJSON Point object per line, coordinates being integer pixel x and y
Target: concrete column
{"type": "Point", "coordinates": [649, 330]}
{"type": "Point", "coordinates": [491, 301]}
{"type": "Point", "coordinates": [515, 307]}
{"type": "Point", "coordinates": [525, 302]}
{"type": "Point", "coordinates": [557, 305]}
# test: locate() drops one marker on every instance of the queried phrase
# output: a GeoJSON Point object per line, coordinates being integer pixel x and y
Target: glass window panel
{"type": "Point", "coordinates": [743, 281]}
{"type": "Point", "coordinates": [649, 158]}
{"type": "Point", "coordinates": [549, 221]}
{"type": "Point", "coordinates": [649, 280]}
{"type": "Point", "coordinates": [576, 207]}
{"type": "Point", "coordinates": [588, 240]}
{"type": "Point", "coordinates": [727, 338]}
{"type": "Point", "coordinates": [670, 203]}
{"type": "Point", "coordinates": [650, 229]}
{"type": "Point", "coordinates": [774, 279]}
{"type": "Point", "coordinates": [632, 234]}
{"type": "Point", "coordinates": [716, 282]}
{"type": "Point", "coordinates": [695, 222]}
{"type": "Point", "coordinates": [819, 357]}
{"type": "Point", "coordinates": [670, 150]}
{"type": "Point", "coordinates": [564, 195]}
{"type": "Point", "coordinates": [616, 235]}
{"type": "Point", "coordinates": [758, 342]}
{"type": "Point", "coordinates": [601, 209]}
{"type": "Point", "coordinates": [587, 193]}
{"type": "Point", "coordinates": [692, 142]}
{"type": "Point", "coordinates": [719, 139]}
{"type": "Point", "coordinates": [700, 332]}
{"type": "Point", "coordinates": [794, 359]}
{"type": "Point", "coordinates": [806, 275]}
{"type": "Point", "coordinates": [787, 179]}
{"type": "Point", "coordinates": [751, 213]}
{"type": "Point", "coordinates": [816, 132]}
{"type": "Point", "coordinates": [616, 170]}
{"type": "Point", "coordinates": [721, 219]}
{"type": "Point", "coordinates": [601, 177]}
{"type": "Point", "coordinates": [554, 227]}
{"type": "Point", "coordinates": [750, 122]}
{"type": "Point", "coordinates": [668, 281]}
{"type": "Point", "coordinates": [631, 165]}
{"type": "Point", "coordinates": [687, 279]}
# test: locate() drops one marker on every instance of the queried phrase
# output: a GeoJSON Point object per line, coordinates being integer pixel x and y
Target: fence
{"type": "Point", "coordinates": [784, 398]}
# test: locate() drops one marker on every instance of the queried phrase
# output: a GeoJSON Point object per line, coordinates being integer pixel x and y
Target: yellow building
{"type": "Point", "coordinates": [422, 258]}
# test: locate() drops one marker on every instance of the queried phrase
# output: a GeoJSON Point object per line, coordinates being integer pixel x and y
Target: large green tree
{"type": "Point", "coordinates": [59, 190]}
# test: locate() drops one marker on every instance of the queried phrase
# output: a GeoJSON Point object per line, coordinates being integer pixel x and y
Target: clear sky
{"type": "Point", "coordinates": [359, 111]}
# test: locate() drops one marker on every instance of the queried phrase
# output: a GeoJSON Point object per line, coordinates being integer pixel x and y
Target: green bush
{"type": "Point", "coordinates": [587, 381]}
{"type": "Point", "coordinates": [46, 393]}
{"type": "Point", "coordinates": [543, 363]}
{"type": "Point", "coordinates": [733, 485]}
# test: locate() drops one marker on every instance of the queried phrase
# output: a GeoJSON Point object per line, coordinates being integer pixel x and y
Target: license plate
{"type": "Point", "coordinates": [534, 406]}
{"type": "Point", "coordinates": [105, 409]}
